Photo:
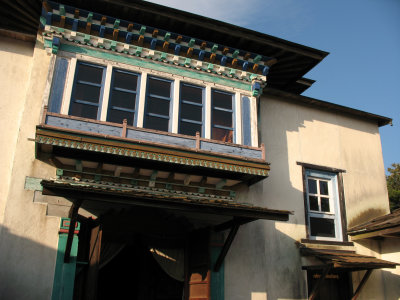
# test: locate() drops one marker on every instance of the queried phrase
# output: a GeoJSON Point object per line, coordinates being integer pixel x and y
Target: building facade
{"type": "Point", "coordinates": [181, 150]}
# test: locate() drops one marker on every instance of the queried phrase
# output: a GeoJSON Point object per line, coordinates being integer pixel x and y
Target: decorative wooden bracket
{"type": "Point", "coordinates": [227, 245]}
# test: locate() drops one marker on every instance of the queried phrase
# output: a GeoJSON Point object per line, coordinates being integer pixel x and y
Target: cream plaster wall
{"type": "Point", "coordinates": [28, 241]}
{"type": "Point", "coordinates": [15, 61]}
{"type": "Point", "coordinates": [297, 133]}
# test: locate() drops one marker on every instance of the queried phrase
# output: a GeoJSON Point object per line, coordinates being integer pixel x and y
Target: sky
{"type": "Point", "coordinates": [362, 70]}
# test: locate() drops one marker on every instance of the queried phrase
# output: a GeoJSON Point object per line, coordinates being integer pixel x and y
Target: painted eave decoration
{"type": "Point", "coordinates": [63, 24]}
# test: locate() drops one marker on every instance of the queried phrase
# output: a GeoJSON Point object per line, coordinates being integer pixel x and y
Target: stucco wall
{"type": "Point", "coordinates": [296, 133]}
{"type": "Point", "coordinates": [15, 61]}
{"type": "Point", "coordinates": [28, 240]}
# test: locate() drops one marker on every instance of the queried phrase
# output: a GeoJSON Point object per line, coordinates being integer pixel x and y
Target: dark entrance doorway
{"type": "Point", "coordinates": [335, 286]}
{"type": "Point", "coordinates": [135, 274]}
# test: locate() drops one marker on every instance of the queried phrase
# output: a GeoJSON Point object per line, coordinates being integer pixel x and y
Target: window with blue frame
{"type": "Point", "coordinates": [222, 120]}
{"type": "Point", "coordinates": [123, 97]}
{"type": "Point", "coordinates": [158, 104]}
{"type": "Point", "coordinates": [87, 91]}
{"type": "Point", "coordinates": [191, 109]}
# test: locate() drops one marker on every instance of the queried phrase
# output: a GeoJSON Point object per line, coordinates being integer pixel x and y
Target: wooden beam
{"type": "Point", "coordinates": [187, 179]}
{"type": "Point", "coordinates": [229, 224]}
{"type": "Point", "coordinates": [73, 215]}
{"type": "Point", "coordinates": [78, 165]}
{"type": "Point", "coordinates": [362, 283]}
{"type": "Point", "coordinates": [117, 171]}
{"type": "Point", "coordinates": [225, 248]}
{"type": "Point", "coordinates": [220, 184]}
{"type": "Point", "coordinates": [317, 286]}
{"type": "Point", "coordinates": [153, 177]}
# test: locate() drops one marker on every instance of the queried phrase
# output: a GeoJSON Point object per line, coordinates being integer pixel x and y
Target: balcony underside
{"type": "Point", "coordinates": [65, 137]}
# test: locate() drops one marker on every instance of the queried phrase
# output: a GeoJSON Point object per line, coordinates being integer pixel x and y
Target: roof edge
{"type": "Point", "coordinates": [379, 120]}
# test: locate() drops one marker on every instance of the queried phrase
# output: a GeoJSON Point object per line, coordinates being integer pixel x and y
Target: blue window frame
{"type": "Point", "coordinates": [87, 91]}
{"type": "Point", "coordinates": [123, 97]}
{"type": "Point", "coordinates": [222, 116]}
{"type": "Point", "coordinates": [158, 104]}
{"type": "Point", "coordinates": [191, 109]}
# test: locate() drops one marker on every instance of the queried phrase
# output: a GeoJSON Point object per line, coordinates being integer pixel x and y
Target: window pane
{"type": "Point", "coordinates": [220, 134]}
{"type": "Point", "coordinates": [125, 80]}
{"type": "Point", "coordinates": [189, 128]}
{"type": "Point", "coordinates": [223, 118]}
{"type": "Point", "coordinates": [325, 204]}
{"type": "Point", "coordinates": [191, 112]}
{"type": "Point", "coordinates": [86, 92]}
{"type": "Point", "coordinates": [313, 200]}
{"type": "Point", "coordinates": [190, 93]}
{"type": "Point", "coordinates": [156, 123]}
{"type": "Point", "coordinates": [159, 87]}
{"type": "Point", "coordinates": [83, 110]}
{"type": "Point", "coordinates": [118, 116]}
{"type": "Point", "coordinates": [158, 106]}
{"type": "Point", "coordinates": [221, 100]}
{"type": "Point", "coordinates": [89, 73]}
{"type": "Point", "coordinates": [312, 186]}
{"type": "Point", "coordinates": [322, 227]}
{"type": "Point", "coordinates": [323, 188]}
{"type": "Point", "coordinates": [122, 99]}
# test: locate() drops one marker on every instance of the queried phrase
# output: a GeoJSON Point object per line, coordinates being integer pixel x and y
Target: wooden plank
{"type": "Point", "coordinates": [246, 121]}
{"type": "Point", "coordinates": [94, 262]}
{"type": "Point", "coordinates": [231, 149]}
{"type": "Point", "coordinates": [58, 84]}
{"type": "Point", "coordinates": [362, 284]}
{"type": "Point", "coordinates": [226, 247]}
{"type": "Point", "coordinates": [317, 286]}
{"type": "Point", "coordinates": [155, 137]}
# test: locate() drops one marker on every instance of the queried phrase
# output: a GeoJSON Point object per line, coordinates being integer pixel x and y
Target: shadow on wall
{"type": "Point", "coordinates": [13, 283]}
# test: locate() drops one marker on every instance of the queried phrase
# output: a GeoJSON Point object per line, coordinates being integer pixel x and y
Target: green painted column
{"type": "Point", "coordinates": [64, 275]}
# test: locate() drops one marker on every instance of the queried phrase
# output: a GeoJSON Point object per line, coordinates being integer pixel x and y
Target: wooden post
{"type": "Point", "coordinates": [43, 121]}
{"type": "Point", "coordinates": [73, 215]}
{"type": "Point", "coordinates": [197, 140]}
{"type": "Point", "coordinates": [362, 283]}
{"type": "Point", "coordinates": [124, 123]}
{"type": "Point", "coordinates": [317, 286]}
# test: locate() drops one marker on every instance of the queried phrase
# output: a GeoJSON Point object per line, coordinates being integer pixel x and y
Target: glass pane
{"type": "Point", "coordinates": [223, 118]}
{"type": "Point", "coordinates": [122, 99]}
{"type": "Point", "coordinates": [189, 128]}
{"type": "Point", "coordinates": [322, 227]}
{"type": "Point", "coordinates": [159, 87]}
{"type": "Point", "coordinates": [313, 200]}
{"type": "Point", "coordinates": [83, 110]}
{"type": "Point", "coordinates": [323, 188]}
{"type": "Point", "coordinates": [312, 186]}
{"type": "Point", "coordinates": [86, 92]}
{"type": "Point", "coordinates": [89, 73]}
{"type": "Point", "coordinates": [125, 81]}
{"type": "Point", "coordinates": [224, 135]}
{"type": "Point", "coordinates": [191, 112]}
{"type": "Point", "coordinates": [193, 94]}
{"type": "Point", "coordinates": [325, 204]}
{"type": "Point", "coordinates": [156, 123]}
{"type": "Point", "coordinates": [158, 106]}
{"type": "Point", "coordinates": [118, 116]}
{"type": "Point", "coordinates": [222, 100]}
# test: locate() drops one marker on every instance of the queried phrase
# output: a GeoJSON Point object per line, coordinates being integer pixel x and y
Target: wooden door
{"type": "Point", "coordinates": [198, 266]}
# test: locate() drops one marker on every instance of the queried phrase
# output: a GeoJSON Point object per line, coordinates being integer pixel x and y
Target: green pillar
{"type": "Point", "coordinates": [217, 278]}
{"type": "Point", "coordinates": [64, 275]}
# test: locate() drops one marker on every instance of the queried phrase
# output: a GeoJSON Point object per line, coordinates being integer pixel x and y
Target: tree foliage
{"type": "Point", "coordinates": [393, 184]}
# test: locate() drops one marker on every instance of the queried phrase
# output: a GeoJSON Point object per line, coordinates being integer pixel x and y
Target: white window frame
{"type": "Point", "coordinates": [144, 73]}
{"type": "Point", "coordinates": [334, 203]}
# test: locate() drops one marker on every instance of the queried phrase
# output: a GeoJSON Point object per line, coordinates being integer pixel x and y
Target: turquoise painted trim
{"type": "Point", "coordinates": [155, 66]}
{"type": "Point", "coordinates": [33, 184]}
{"type": "Point", "coordinates": [64, 275]}
{"type": "Point", "coordinates": [217, 278]}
